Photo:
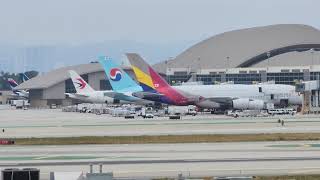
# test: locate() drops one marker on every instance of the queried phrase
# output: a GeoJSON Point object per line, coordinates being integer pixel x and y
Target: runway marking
{"type": "Point", "coordinates": [153, 124]}
{"type": "Point", "coordinates": [164, 161]}
{"type": "Point", "coordinates": [30, 158]}
{"type": "Point", "coordinates": [58, 157]}
{"type": "Point", "coordinates": [294, 145]}
{"type": "Point", "coordinates": [42, 157]}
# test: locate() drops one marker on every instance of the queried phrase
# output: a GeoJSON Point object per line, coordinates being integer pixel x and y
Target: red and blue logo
{"type": "Point", "coordinates": [115, 74]}
{"type": "Point", "coordinates": [82, 84]}
{"type": "Point", "coordinates": [12, 82]}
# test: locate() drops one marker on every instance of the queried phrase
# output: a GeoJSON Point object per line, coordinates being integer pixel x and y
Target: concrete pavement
{"type": "Point", "coordinates": [169, 159]}
{"type": "Point", "coordinates": [54, 123]}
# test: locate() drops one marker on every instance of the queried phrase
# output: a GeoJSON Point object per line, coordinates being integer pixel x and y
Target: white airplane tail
{"type": "Point", "coordinates": [79, 83]}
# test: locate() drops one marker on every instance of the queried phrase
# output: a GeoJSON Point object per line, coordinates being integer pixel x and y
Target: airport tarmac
{"type": "Point", "coordinates": [55, 123]}
{"type": "Point", "coordinates": [155, 160]}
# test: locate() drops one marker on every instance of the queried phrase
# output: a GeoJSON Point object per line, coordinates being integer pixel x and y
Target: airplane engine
{"type": "Point", "coordinates": [248, 104]}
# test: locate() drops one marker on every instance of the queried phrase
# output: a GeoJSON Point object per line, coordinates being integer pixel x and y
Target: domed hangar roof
{"type": "Point", "coordinates": [247, 47]}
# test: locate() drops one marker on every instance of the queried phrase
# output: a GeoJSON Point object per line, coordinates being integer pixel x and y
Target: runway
{"type": "Point", "coordinates": [154, 160]}
{"type": "Point", "coordinates": [54, 123]}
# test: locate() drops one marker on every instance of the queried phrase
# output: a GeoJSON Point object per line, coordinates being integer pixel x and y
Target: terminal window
{"type": "Point", "coordinates": [105, 85]}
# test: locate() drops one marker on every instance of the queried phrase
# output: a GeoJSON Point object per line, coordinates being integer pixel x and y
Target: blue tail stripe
{"type": "Point", "coordinates": [147, 88]}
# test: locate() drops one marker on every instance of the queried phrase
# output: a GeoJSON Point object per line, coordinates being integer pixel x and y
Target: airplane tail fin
{"type": "Point", "coordinates": [24, 77]}
{"type": "Point", "coordinates": [118, 78]}
{"type": "Point", "coordinates": [79, 83]}
{"type": "Point", "coordinates": [12, 83]}
{"type": "Point", "coordinates": [151, 81]}
{"type": "Point", "coordinates": [148, 78]}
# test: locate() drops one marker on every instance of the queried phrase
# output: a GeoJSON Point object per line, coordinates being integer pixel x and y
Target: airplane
{"type": "Point", "coordinates": [85, 92]}
{"type": "Point", "coordinates": [24, 77]}
{"type": "Point", "coordinates": [122, 84]}
{"type": "Point", "coordinates": [155, 88]}
{"type": "Point", "coordinates": [17, 93]}
{"type": "Point", "coordinates": [234, 96]}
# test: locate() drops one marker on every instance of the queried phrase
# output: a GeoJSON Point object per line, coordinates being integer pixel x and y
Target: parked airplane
{"type": "Point", "coordinates": [122, 84]}
{"type": "Point", "coordinates": [241, 96]}
{"type": "Point", "coordinates": [155, 88]}
{"type": "Point", "coordinates": [236, 96]}
{"type": "Point", "coordinates": [85, 92]}
{"type": "Point", "coordinates": [17, 93]}
{"type": "Point", "coordinates": [24, 77]}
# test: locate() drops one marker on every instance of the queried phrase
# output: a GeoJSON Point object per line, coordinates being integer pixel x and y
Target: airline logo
{"type": "Point", "coordinates": [12, 82]}
{"type": "Point", "coordinates": [115, 74]}
{"type": "Point", "coordinates": [24, 77]}
{"type": "Point", "coordinates": [82, 84]}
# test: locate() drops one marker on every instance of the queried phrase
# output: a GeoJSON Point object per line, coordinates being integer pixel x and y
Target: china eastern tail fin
{"type": "Point", "coordinates": [118, 78]}
{"type": "Point", "coordinates": [79, 83]}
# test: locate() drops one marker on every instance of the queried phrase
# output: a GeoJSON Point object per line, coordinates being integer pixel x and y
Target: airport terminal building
{"type": "Point", "coordinates": [50, 88]}
{"type": "Point", "coordinates": [283, 54]}
{"type": "Point", "coordinates": [279, 53]}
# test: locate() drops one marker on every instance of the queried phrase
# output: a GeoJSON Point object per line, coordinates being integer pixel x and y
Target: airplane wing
{"type": "Point", "coordinates": [14, 95]}
{"type": "Point", "coordinates": [221, 100]}
{"type": "Point", "coordinates": [215, 102]}
{"type": "Point", "coordinates": [17, 96]}
{"type": "Point", "coordinates": [124, 96]}
{"type": "Point", "coordinates": [148, 95]}
{"type": "Point", "coordinates": [114, 94]}
{"type": "Point", "coordinates": [140, 94]}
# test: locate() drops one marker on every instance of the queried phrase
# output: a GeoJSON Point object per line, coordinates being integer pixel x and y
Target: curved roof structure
{"type": "Point", "coordinates": [248, 47]}
{"type": "Point", "coordinates": [59, 75]}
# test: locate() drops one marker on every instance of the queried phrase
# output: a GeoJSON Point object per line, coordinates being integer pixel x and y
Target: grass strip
{"type": "Point", "coordinates": [205, 138]}
{"type": "Point", "coordinates": [292, 177]}
{"type": "Point", "coordinates": [295, 177]}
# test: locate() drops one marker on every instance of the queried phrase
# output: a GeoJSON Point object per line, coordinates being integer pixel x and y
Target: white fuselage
{"type": "Point", "coordinates": [269, 93]}
{"type": "Point", "coordinates": [102, 97]}
{"type": "Point", "coordinates": [92, 97]}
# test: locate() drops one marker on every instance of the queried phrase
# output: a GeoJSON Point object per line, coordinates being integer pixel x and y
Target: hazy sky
{"type": "Point", "coordinates": [49, 22]}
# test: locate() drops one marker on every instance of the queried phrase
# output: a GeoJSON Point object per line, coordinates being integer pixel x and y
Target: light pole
{"type": "Point", "coordinates": [312, 52]}
{"type": "Point", "coordinates": [228, 62]}
{"type": "Point", "coordinates": [268, 55]}
{"type": "Point", "coordinates": [199, 65]}
{"type": "Point", "coordinates": [168, 69]}
{"type": "Point", "coordinates": [167, 77]}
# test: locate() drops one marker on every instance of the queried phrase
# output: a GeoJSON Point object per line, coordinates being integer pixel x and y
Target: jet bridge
{"type": "Point", "coordinates": [311, 96]}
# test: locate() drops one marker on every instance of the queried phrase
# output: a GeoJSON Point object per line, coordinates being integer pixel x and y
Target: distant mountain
{"type": "Point", "coordinates": [46, 58]}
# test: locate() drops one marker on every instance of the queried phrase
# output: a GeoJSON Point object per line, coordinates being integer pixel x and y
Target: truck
{"type": "Point", "coordinates": [120, 112]}
{"type": "Point", "coordinates": [147, 112]}
{"type": "Point", "coordinates": [182, 110]}
{"type": "Point", "coordinates": [282, 111]}
{"type": "Point", "coordinates": [247, 113]}
{"type": "Point", "coordinates": [20, 104]}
